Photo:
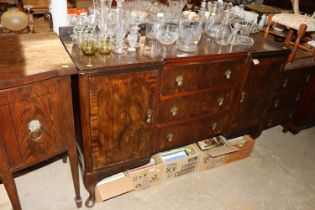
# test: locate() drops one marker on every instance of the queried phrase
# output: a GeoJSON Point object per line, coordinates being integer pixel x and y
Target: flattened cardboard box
{"type": "Point", "coordinates": [179, 166]}
{"type": "Point", "coordinates": [146, 176]}
{"type": "Point", "coordinates": [113, 186]}
{"type": "Point", "coordinates": [245, 144]}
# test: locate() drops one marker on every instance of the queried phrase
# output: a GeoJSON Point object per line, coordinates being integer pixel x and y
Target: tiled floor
{"type": "Point", "coordinates": [280, 175]}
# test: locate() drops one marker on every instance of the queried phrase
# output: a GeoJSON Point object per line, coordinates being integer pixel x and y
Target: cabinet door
{"type": "Point", "coordinates": [257, 91]}
{"type": "Point", "coordinates": [33, 128]}
{"type": "Point", "coordinates": [121, 116]}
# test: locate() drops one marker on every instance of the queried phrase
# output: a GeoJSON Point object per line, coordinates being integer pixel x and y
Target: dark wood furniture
{"type": "Point", "coordinates": [292, 95]}
{"type": "Point", "coordinates": [131, 106]}
{"type": "Point", "coordinates": [295, 97]}
{"type": "Point", "coordinates": [35, 107]}
{"type": "Point", "coordinates": [305, 115]}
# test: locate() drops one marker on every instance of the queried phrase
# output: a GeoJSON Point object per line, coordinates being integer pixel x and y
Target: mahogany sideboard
{"type": "Point", "coordinates": [130, 106]}
{"type": "Point", "coordinates": [35, 107]}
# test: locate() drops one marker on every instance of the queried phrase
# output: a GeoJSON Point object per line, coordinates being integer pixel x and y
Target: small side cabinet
{"type": "Point", "coordinates": [35, 108]}
{"type": "Point", "coordinates": [257, 91]}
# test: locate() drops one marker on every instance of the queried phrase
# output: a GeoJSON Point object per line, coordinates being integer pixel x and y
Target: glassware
{"type": "Point", "coordinates": [223, 32]}
{"type": "Point", "coordinates": [120, 29]}
{"type": "Point", "coordinates": [89, 44]}
{"type": "Point", "coordinates": [213, 22]}
{"type": "Point", "coordinates": [189, 35]}
{"type": "Point", "coordinates": [175, 9]}
{"type": "Point", "coordinates": [167, 33]}
{"type": "Point", "coordinates": [133, 39]}
{"type": "Point", "coordinates": [104, 10]}
{"type": "Point", "coordinates": [104, 45]}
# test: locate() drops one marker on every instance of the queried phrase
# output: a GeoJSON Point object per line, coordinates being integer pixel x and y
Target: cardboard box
{"type": "Point", "coordinates": [212, 152]}
{"type": "Point", "coordinates": [146, 176]}
{"type": "Point", "coordinates": [113, 186]}
{"type": "Point", "coordinates": [178, 162]}
{"type": "Point", "coordinates": [245, 144]}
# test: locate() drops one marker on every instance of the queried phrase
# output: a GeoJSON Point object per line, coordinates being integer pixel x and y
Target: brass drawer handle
{"type": "Point", "coordinates": [149, 116]}
{"type": "Point", "coordinates": [308, 77]}
{"type": "Point", "coordinates": [228, 74]}
{"type": "Point", "coordinates": [169, 137]}
{"type": "Point", "coordinates": [270, 122]}
{"type": "Point", "coordinates": [214, 126]}
{"type": "Point", "coordinates": [35, 130]}
{"type": "Point", "coordinates": [298, 97]}
{"type": "Point", "coordinates": [220, 101]}
{"type": "Point", "coordinates": [174, 110]}
{"type": "Point", "coordinates": [180, 80]}
{"type": "Point", "coordinates": [276, 104]}
{"type": "Point", "coordinates": [285, 83]}
{"type": "Point", "coordinates": [242, 97]}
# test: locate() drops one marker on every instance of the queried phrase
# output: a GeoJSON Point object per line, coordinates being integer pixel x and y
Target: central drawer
{"type": "Point", "coordinates": [181, 134]}
{"type": "Point", "coordinates": [186, 107]}
{"type": "Point", "coordinates": [192, 77]}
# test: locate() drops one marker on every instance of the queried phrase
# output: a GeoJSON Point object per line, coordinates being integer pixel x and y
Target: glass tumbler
{"type": "Point", "coordinates": [167, 33]}
{"type": "Point", "coordinates": [189, 35]}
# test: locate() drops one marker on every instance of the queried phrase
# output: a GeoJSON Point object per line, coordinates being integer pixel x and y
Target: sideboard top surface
{"type": "Point", "coordinates": [207, 49]}
{"type": "Point", "coordinates": [28, 58]}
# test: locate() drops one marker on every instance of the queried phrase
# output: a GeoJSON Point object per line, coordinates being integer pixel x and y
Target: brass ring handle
{"type": "Point", "coordinates": [169, 137]}
{"type": "Point", "coordinates": [214, 126]}
{"type": "Point", "coordinates": [180, 80]}
{"type": "Point", "coordinates": [228, 74]}
{"type": "Point", "coordinates": [220, 101]}
{"type": "Point", "coordinates": [35, 130]}
{"type": "Point", "coordinates": [174, 110]}
{"type": "Point", "coordinates": [270, 122]}
{"type": "Point", "coordinates": [149, 116]}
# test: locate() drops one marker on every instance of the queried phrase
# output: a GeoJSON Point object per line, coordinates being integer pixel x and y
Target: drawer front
{"type": "Point", "coordinates": [286, 99]}
{"type": "Point", "coordinates": [293, 79]}
{"type": "Point", "coordinates": [36, 119]}
{"type": "Point", "coordinates": [189, 132]}
{"type": "Point", "coordinates": [181, 108]}
{"type": "Point", "coordinates": [191, 77]}
{"type": "Point", "coordinates": [278, 117]}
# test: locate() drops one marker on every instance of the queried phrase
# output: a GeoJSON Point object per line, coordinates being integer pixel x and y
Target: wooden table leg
{"type": "Point", "coordinates": [8, 180]}
{"type": "Point", "coordinates": [69, 136]}
{"type": "Point", "coordinates": [10, 187]}
{"type": "Point", "coordinates": [90, 184]}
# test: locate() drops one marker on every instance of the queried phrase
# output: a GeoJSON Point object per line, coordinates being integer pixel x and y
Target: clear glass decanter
{"type": "Point", "coordinates": [223, 32]}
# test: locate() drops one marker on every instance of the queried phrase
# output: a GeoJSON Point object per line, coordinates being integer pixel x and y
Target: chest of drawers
{"type": "Point", "coordinates": [289, 96]}
{"type": "Point", "coordinates": [196, 100]}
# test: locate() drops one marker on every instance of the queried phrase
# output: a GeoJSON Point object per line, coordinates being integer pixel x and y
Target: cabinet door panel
{"type": "Point", "coordinates": [258, 90]}
{"type": "Point", "coordinates": [120, 121]}
{"type": "Point", "coordinates": [40, 104]}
